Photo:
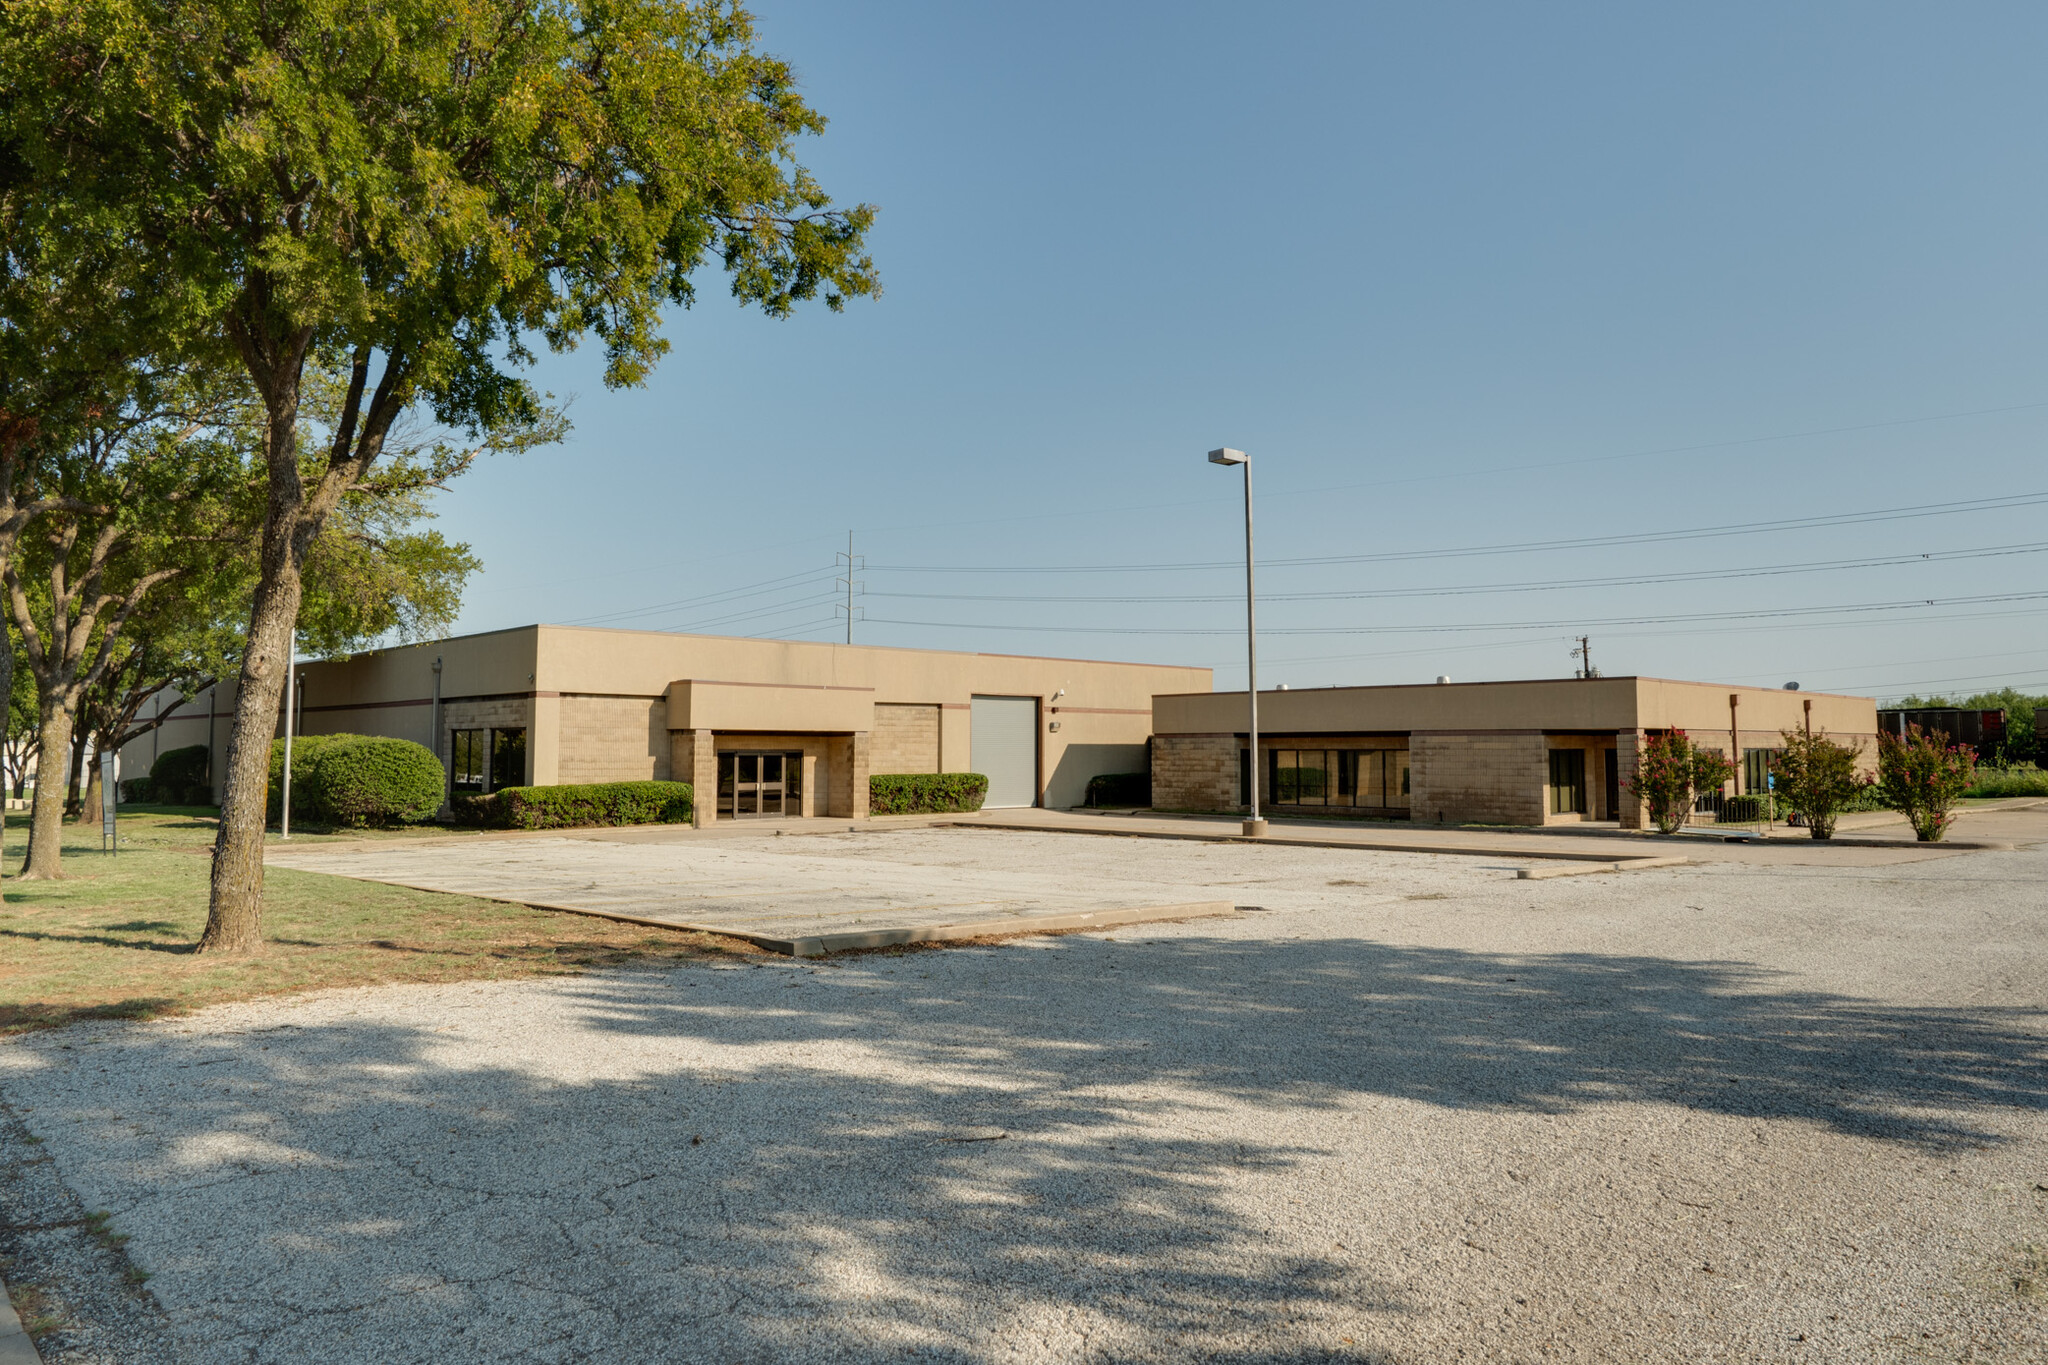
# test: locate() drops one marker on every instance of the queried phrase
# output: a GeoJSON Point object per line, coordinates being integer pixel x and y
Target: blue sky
{"type": "Point", "coordinates": [1457, 276]}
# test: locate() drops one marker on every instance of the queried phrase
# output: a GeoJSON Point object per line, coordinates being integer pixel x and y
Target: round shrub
{"type": "Point", "coordinates": [360, 781]}
{"type": "Point", "coordinates": [178, 777]}
{"type": "Point", "coordinates": [306, 752]}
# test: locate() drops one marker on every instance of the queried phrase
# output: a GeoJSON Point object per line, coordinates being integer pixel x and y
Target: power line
{"type": "Point", "coordinates": [1318, 490]}
{"type": "Point", "coordinates": [1693, 576]}
{"type": "Point", "coordinates": [781, 609]}
{"type": "Point", "coordinates": [709, 599]}
{"type": "Point", "coordinates": [1915, 511]}
{"type": "Point", "coordinates": [1864, 607]}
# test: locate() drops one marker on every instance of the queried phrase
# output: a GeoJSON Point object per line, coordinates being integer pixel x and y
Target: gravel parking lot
{"type": "Point", "coordinates": [1401, 1109]}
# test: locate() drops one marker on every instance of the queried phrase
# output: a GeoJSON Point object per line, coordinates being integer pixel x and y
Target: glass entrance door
{"type": "Point", "coordinates": [755, 784]}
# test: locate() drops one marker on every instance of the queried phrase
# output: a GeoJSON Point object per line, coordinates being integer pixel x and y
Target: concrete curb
{"type": "Point", "coordinates": [1537, 874]}
{"type": "Point", "coordinates": [1025, 924]}
{"type": "Point", "coordinates": [1606, 859]}
{"type": "Point", "coordinates": [83, 1281]}
{"type": "Point", "coordinates": [820, 945]}
{"type": "Point", "coordinates": [1707, 834]}
{"type": "Point", "coordinates": [16, 1347]}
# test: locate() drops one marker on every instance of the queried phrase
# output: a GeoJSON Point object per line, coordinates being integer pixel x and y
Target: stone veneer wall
{"type": "Point", "coordinates": [613, 739]}
{"type": "Point", "coordinates": [505, 713]}
{"type": "Point", "coordinates": [905, 738]}
{"type": "Point", "coordinates": [1195, 772]}
{"type": "Point", "coordinates": [1495, 777]}
{"type": "Point", "coordinates": [847, 783]}
{"type": "Point", "coordinates": [1628, 745]}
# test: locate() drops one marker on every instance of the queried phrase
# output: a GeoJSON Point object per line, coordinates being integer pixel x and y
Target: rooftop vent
{"type": "Point", "coordinates": [1791, 687]}
{"type": "Point", "coordinates": [1443, 677]}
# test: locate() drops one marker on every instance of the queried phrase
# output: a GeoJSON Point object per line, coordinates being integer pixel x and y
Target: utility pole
{"type": "Point", "coordinates": [852, 585]}
{"type": "Point", "coordinates": [1584, 654]}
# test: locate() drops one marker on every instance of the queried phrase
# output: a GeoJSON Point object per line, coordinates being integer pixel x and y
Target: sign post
{"type": "Point", "coordinates": [110, 796]}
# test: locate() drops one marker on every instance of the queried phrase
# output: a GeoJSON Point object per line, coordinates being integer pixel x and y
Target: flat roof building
{"type": "Point", "coordinates": [1518, 753]}
{"type": "Point", "coordinates": [775, 727]}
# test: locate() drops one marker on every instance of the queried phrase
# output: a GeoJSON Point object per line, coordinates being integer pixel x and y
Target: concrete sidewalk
{"type": "Point", "coordinates": [1587, 843]}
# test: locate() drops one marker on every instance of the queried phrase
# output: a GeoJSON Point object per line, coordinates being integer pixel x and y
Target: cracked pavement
{"type": "Point", "coordinates": [1402, 1109]}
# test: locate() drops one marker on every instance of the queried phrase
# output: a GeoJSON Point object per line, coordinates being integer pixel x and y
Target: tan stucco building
{"type": "Point", "coordinates": [773, 726]}
{"type": "Point", "coordinates": [1519, 753]}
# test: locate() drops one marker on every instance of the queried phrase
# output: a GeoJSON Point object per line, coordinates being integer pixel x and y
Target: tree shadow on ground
{"type": "Point", "coordinates": [1070, 1151]}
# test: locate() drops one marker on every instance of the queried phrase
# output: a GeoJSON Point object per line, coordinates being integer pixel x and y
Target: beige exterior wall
{"type": "Point", "coordinates": [1479, 777]}
{"type": "Point", "coordinates": [612, 739]}
{"type": "Point", "coordinates": [906, 738]}
{"type": "Point", "coordinates": [1478, 751]}
{"type": "Point", "coordinates": [605, 705]}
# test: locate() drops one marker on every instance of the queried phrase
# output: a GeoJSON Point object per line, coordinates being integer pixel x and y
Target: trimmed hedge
{"type": "Point", "coordinates": [585, 803]}
{"type": "Point", "coordinates": [1120, 789]}
{"type": "Point", "coordinates": [925, 793]}
{"type": "Point", "coordinates": [1741, 810]}
{"type": "Point", "coordinates": [358, 780]}
{"type": "Point", "coordinates": [178, 778]}
{"type": "Point", "coordinates": [364, 782]}
{"type": "Point", "coordinates": [306, 752]}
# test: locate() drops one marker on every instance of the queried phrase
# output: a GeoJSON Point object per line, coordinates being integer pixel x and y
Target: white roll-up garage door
{"type": "Point", "coordinates": [1003, 743]}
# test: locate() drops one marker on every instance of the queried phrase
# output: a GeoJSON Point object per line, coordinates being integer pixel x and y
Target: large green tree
{"type": "Point", "coordinates": [417, 189]}
{"type": "Point", "coordinates": [151, 488]}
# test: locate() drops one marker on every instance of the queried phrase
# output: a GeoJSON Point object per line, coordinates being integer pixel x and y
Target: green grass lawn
{"type": "Point", "coordinates": [115, 938]}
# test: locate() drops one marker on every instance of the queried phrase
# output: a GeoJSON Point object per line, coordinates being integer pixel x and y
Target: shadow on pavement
{"type": "Point", "coordinates": [958, 1156]}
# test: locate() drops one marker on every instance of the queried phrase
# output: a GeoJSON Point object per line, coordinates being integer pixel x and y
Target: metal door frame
{"type": "Point", "coordinates": [759, 788]}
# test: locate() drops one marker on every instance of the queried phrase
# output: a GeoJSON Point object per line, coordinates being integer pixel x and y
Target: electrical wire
{"type": "Point", "coordinates": [1915, 511]}
{"type": "Point", "coordinates": [1864, 607]}
{"type": "Point", "coordinates": [1553, 585]}
{"type": "Point", "coordinates": [709, 599]}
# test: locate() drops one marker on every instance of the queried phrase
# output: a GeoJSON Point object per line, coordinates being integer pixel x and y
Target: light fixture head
{"type": "Point", "coordinates": [1228, 456]}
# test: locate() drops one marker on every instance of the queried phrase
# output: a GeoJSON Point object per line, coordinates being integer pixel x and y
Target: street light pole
{"type": "Point", "coordinates": [1253, 825]}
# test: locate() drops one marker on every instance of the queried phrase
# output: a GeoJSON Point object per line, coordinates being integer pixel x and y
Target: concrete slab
{"type": "Point", "coordinates": [804, 897]}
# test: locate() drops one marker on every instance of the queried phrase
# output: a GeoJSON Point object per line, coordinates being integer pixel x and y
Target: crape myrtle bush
{"type": "Point", "coordinates": [573, 804]}
{"type": "Point", "coordinates": [1670, 770]}
{"type": "Point", "coordinates": [358, 781]}
{"type": "Point", "coordinates": [1818, 779]}
{"type": "Point", "coordinates": [1922, 777]}
{"type": "Point", "coordinates": [1120, 789]}
{"type": "Point", "coordinates": [178, 778]}
{"type": "Point", "coordinates": [925, 793]}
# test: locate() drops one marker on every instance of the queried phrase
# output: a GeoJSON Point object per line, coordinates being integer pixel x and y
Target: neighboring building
{"type": "Point", "coordinates": [773, 726]}
{"type": "Point", "coordinates": [1515, 753]}
{"type": "Point", "coordinates": [1983, 731]}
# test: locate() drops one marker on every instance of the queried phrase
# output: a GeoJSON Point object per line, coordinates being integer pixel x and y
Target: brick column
{"type": "Point", "coordinates": [859, 754]}
{"type": "Point", "coordinates": [693, 758]}
{"type": "Point", "coordinates": [1628, 745]}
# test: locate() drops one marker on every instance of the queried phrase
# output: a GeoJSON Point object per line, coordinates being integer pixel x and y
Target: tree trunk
{"type": "Point", "coordinates": [89, 806]}
{"type": "Point", "coordinates": [46, 836]}
{"type": "Point", "coordinates": [234, 918]}
{"type": "Point", "coordinates": [6, 749]}
{"type": "Point", "coordinates": [77, 768]}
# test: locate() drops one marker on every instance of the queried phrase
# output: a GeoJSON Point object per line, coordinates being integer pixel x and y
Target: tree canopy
{"type": "Point", "coordinates": [413, 194]}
